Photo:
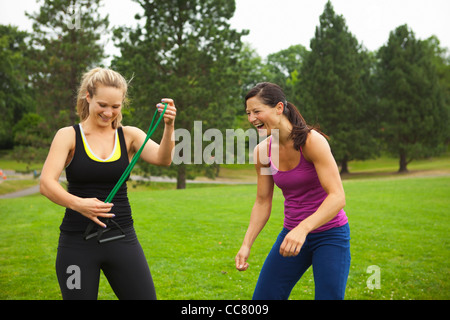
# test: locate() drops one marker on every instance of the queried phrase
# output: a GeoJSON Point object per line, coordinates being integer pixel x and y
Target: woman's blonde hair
{"type": "Point", "coordinates": [90, 82]}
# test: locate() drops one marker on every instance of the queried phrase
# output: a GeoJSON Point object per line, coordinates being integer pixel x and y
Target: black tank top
{"type": "Point", "coordinates": [95, 178]}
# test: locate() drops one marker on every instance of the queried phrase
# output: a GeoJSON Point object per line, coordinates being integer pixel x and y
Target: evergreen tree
{"type": "Point", "coordinates": [66, 42]}
{"type": "Point", "coordinates": [16, 97]}
{"type": "Point", "coordinates": [441, 61]}
{"type": "Point", "coordinates": [187, 51]}
{"type": "Point", "coordinates": [415, 116]}
{"type": "Point", "coordinates": [333, 84]}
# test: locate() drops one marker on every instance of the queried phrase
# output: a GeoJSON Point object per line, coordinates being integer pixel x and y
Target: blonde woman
{"type": "Point", "coordinates": [94, 154]}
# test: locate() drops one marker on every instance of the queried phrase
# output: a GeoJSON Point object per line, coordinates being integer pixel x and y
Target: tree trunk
{"type": "Point", "coordinates": [181, 177]}
{"type": "Point", "coordinates": [403, 163]}
{"type": "Point", "coordinates": [344, 166]}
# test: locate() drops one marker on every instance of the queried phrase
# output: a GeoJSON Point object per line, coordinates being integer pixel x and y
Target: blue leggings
{"type": "Point", "coordinates": [329, 254]}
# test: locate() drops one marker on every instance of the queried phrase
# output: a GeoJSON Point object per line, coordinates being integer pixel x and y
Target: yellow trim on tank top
{"type": "Point", "coordinates": [115, 155]}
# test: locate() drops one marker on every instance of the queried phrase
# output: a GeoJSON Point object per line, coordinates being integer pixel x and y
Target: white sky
{"type": "Point", "coordinates": [276, 24]}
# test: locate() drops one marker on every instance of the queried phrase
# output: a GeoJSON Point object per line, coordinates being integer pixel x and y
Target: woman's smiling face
{"type": "Point", "coordinates": [106, 104]}
{"type": "Point", "coordinates": [260, 115]}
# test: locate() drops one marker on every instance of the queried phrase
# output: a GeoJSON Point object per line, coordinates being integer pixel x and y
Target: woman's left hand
{"type": "Point", "coordinates": [171, 111]}
{"type": "Point", "coordinates": [293, 242]}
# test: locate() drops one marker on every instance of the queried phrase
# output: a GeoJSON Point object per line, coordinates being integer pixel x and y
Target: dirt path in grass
{"type": "Point", "coordinates": [21, 193]}
{"type": "Point", "coordinates": [35, 189]}
{"type": "Point", "coordinates": [251, 180]}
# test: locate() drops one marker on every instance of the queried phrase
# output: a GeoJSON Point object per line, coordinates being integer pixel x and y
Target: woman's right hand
{"type": "Point", "coordinates": [241, 258]}
{"type": "Point", "coordinates": [93, 209]}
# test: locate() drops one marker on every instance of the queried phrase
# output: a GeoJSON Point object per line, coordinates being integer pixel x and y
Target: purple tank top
{"type": "Point", "coordinates": [303, 194]}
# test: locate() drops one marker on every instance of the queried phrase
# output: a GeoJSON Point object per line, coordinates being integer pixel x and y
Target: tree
{"type": "Point", "coordinates": [66, 43]}
{"type": "Point", "coordinates": [16, 97]}
{"type": "Point", "coordinates": [284, 68]}
{"type": "Point", "coordinates": [333, 84]}
{"type": "Point", "coordinates": [441, 61]}
{"type": "Point", "coordinates": [415, 117]}
{"type": "Point", "coordinates": [185, 50]}
{"type": "Point", "coordinates": [31, 139]}
{"type": "Point", "coordinates": [253, 70]}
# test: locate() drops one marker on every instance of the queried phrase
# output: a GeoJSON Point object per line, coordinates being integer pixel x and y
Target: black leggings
{"type": "Point", "coordinates": [79, 261]}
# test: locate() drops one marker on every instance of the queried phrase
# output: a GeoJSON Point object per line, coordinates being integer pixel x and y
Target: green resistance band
{"type": "Point", "coordinates": [136, 156]}
{"type": "Point", "coordinates": [122, 179]}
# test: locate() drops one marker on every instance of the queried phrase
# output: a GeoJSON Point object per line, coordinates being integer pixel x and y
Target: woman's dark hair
{"type": "Point", "coordinates": [271, 94]}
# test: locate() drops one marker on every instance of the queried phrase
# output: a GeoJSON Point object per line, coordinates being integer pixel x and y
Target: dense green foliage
{"type": "Point", "coordinates": [415, 117]}
{"type": "Point", "coordinates": [187, 51]}
{"type": "Point", "coordinates": [65, 42]}
{"type": "Point", "coordinates": [334, 79]}
{"type": "Point", "coordinates": [15, 94]}
{"type": "Point", "coordinates": [396, 99]}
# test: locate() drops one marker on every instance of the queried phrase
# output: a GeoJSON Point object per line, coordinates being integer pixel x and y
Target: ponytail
{"type": "Point", "coordinates": [300, 128]}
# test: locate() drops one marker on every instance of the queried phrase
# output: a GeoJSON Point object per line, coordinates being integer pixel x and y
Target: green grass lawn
{"type": "Point", "coordinates": [190, 238]}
